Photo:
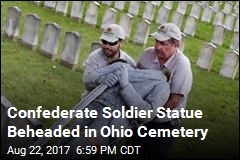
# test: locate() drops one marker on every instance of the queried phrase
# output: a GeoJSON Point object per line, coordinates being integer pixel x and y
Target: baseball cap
{"type": "Point", "coordinates": [167, 31]}
{"type": "Point", "coordinates": [113, 33]}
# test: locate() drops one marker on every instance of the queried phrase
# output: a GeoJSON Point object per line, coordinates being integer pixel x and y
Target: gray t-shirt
{"type": "Point", "coordinates": [181, 74]}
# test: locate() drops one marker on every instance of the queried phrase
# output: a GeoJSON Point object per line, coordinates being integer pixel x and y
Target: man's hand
{"type": "Point", "coordinates": [122, 75]}
{"type": "Point", "coordinates": [111, 80]}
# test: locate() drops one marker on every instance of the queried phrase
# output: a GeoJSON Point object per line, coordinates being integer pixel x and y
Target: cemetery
{"type": "Point", "coordinates": [44, 43]}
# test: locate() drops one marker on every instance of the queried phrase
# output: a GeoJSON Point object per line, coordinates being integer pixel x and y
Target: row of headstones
{"type": "Point", "coordinates": [141, 36]}
{"type": "Point", "coordinates": [72, 41]}
{"type": "Point", "coordinates": [150, 8]}
{"type": "Point", "coordinates": [230, 63]}
{"type": "Point", "coordinates": [49, 45]}
{"type": "Point", "coordinates": [224, 17]}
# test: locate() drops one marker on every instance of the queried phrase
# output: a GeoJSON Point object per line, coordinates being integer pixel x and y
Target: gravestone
{"type": "Point", "coordinates": [126, 23]}
{"type": "Point", "coordinates": [71, 50]}
{"type": "Point", "coordinates": [19, 123]}
{"type": "Point", "coordinates": [182, 6]}
{"type": "Point", "coordinates": [109, 17]}
{"type": "Point", "coordinates": [31, 29]}
{"type": "Point", "coordinates": [162, 15]}
{"type": "Point", "coordinates": [206, 56]}
{"type": "Point", "coordinates": [229, 21]}
{"type": "Point", "coordinates": [204, 4]}
{"type": "Point", "coordinates": [182, 42]}
{"type": "Point", "coordinates": [216, 6]}
{"type": "Point", "coordinates": [218, 35]}
{"type": "Point", "coordinates": [134, 7]}
{"type": "Point", "coordinates": [94, 46]}
{"type": "Point", "coordinates": [219, 17]}
{"type": "Point", "coordinates": [92, 14]}
{"type": "Point", "coordinates": [196, 10]}
{"type": "Point", "coordinates": [236, 8]}
{"type": "Point", "coordinates": [227, 7]}
{"type": "Point", "coordinates": [62, 7]}
{"type": "Point", "coordinates": [230, 64]}
{"type": "Point", "coordinates": [157, 3]}
{"type": "Point", "coordinates": [149, 11]}
{"type": "Point", "coordinates": [168, 4]}
{"type": "Point", "coordinates": [141, 34]}
{"type": "Point", "coordinates": [49, 4]}
{"type": "Point", "coordinates": [50, 40]}
{"type": "Point", "coordinates": [235, 42]}
{"type": "Point", "coordinates": [119, 5]}
{"type": "Point", "coordinates": [11, 29]}
{"type": "Point", "coordinates": [108, 3]}
{"type": "Point", "coordinates": [77, 9]}
{"type": "Point", "coordinates": [177, 18]}
{"type": "Point", "coordinates": [207, 14]}
{"type": "Point", "coordinates": [191, 25]}
{"type": "Point", "coordinates": [236, 28]}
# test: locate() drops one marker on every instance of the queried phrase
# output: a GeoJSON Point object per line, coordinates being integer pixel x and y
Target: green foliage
{"type": "Point", "coordinates": [29, 80]}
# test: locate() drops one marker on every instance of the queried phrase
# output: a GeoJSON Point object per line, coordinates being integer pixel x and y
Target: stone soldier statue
{"type": "Point", "coordinates": [145, 89]}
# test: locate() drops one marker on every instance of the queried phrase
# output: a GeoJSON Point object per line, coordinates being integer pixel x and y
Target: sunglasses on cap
{"type": "Point", "coordinates": [110, 43]}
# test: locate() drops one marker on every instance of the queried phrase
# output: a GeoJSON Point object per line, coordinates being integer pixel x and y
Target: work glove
{"type": "Point", "coordinates": [122, 75]}
{"type": "Point", "coordinates": [110, 80]}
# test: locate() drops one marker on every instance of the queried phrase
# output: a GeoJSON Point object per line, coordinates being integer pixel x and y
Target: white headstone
{"type": "Point", "coordinates": [235, 42]}
{"type": "Point", "coordinates": [228, 7]}
{"type": "Point", "coordinates": [77, 9]}
{"type": "Point", "coordinates": [219, 17]}
{"type": "Point", "coordinates": [134, 7]}
{"type": "Point", "coordinates": [126, 23]}
{"type": "Point", "coordinates": [230, 64]}
{"type": "Point", "coordinates": [206, 56]}
{"type": "Point", "coordinates": [182, 6]}
{"type": "Point", "coordinates": [196, 10]}
{"type": "Point", "coordinates": [177, 18]}
{"type": "Point", "coordinates": [229, 21]}
{"type": "Point", "coordinates": [149, 11]}
{"type": "Point", "coordinates": [31, 28]}
{"type": "Point", "coordinates": [236, 8]}
{"type": "Point", "coordinates": [71, 50]}
{"type": "Point", "coordinates": [191, 26]}
{"type": "Point", "coordinates": [109, 17]}
{"type": "Point", "coordinates": [141, 34]}
{"type": "Point", "coordinates": [94, 46]}
{"type": "Point", "coordinates": [12, 20]}
{"type": "Point", "coordinates": [236, 28]}
{"type": "Point", "coordinates": [216, 6]}
{"type": "Point", "coordinates": [168, 4]}
{"type": "Point", "coordinates": [62, 7]}
{"type": "Point", "coordinates": [218, 35]}
{"type": "Point", "coordinates": [182, 42]}
{"type": "Point", "coordinates": [49, 4]}
{"type": "Point", "coordinates": [92, 14]}
{"type": "Point", "coordinates": [50, 40]}
{"type": "Point", "coordinates": [108, 3]}
{"type": "Point", "coordinates": [207, 14]}
{"type": "Point", "coordinates": [119, 5]}
{"type": "Point", "coordinates": [162, 15]}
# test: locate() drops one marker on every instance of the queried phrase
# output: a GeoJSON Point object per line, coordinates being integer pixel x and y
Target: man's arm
{"type": "Point", "coordinates": [173, 101]}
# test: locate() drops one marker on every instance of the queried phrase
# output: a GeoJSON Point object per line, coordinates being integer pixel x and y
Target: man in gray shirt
{"type": "Point", "coordinates": [165, 56]}
{"type": "Point", "coordinates": [112, 38]}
